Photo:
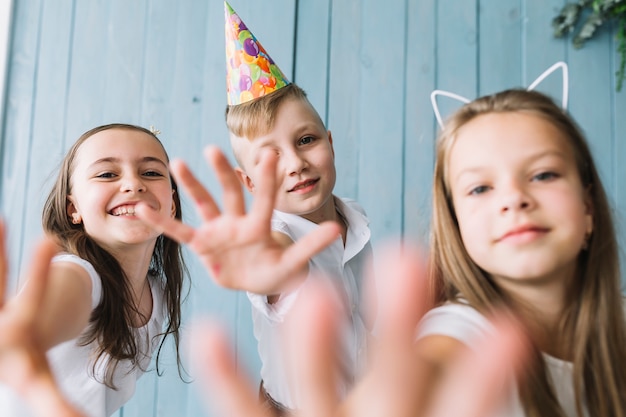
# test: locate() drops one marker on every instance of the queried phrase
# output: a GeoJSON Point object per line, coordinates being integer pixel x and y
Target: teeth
{"type": "Point", "coordinates": [306, 184]}
{"type": "Point", "coordinates": [123, 211]}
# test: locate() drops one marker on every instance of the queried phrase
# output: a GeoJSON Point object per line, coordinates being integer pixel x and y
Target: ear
{"type": "Point", "coordinates": [72, 211]}
{"type": "Point", "coordinates": [330, 139]}
{"type": "Point", "coordinates": [173, 211]}
{"type": "Point", "coordinates": [244, 179]}
{"type": "Point", "coordinates": [588, 211]}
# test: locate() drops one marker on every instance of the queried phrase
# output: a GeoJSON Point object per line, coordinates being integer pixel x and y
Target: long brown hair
{"type": "Point", "coordinates": [593, 322]}
{"type": "Point", "coordinates": [111, 321]}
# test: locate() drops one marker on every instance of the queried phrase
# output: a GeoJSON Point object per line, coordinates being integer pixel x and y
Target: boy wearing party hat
{"type": "Point", "coordinates": [267, 112]}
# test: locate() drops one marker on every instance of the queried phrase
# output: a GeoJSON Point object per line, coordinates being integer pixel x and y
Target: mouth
{"type": "Point", "coordinates": [524, 233]}
{"type": "Point", "coordinates": [303, 185]}
{"type": "Point", "coordinates": [123, 210]}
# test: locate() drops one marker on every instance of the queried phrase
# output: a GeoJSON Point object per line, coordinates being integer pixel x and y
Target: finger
{"type": "Point", "coordinates": [173, 228]}
{"type": "Point", "coordinates": [37, 274]}
{"type": "Point", "coordinates": [491, 368]}
{"type": "Point", "coordinates": [3, 265]}
{"type": "Point", "coordinates": [401, 288]}
{"type": "Point", "coordinates": [206, 207]}
{"type": "Point", "coordinates": [232, 190]}
{"type": "Point", "coordinates": [297, 255]}
{"type": "Point", "coordinates": [313, 333]}
{"type": "Point", "coordinates": [397, 377]}
{"type": "Point", "coordinates": [229, 392]}
{"type": "Point", "coordinates": [265, 195]}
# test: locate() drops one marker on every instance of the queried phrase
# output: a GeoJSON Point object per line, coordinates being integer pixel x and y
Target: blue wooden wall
{"type": "Point", "coordinates": [368, 66]}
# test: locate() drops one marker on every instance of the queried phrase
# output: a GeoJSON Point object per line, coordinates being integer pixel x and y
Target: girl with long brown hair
{"type": "Point", "coordinates": [114, 291]}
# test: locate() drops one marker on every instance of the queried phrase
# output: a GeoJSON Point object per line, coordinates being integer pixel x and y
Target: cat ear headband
{"type": "Point", "coordinates": [560, 64]}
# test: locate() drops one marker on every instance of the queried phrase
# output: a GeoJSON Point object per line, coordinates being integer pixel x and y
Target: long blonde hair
{"type": "Point", "coordinates": [593, 322]}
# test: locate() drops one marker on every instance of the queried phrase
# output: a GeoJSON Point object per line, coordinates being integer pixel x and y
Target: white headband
{"type": "Point", "coordinates": [560, 64]}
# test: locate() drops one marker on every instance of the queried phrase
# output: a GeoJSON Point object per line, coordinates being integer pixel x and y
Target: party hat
{"type": "Point", "coordinates": [250, 71]}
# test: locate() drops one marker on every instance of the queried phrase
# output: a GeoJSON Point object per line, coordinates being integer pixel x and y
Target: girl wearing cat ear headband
{"type": "Point", "coordinates": [521, 220]}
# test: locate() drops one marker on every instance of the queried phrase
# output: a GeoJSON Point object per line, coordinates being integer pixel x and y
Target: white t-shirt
{"type": "Point", "coordinates": [467, 325]}
{"type": "Point", "coordinates": [345, 266]}
{"type": "Point", "coordinates": [72, 363]}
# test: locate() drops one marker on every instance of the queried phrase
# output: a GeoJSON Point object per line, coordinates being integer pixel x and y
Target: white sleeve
{"type": "Point", "coordinates": [276, 312]}
{"type": "Point", "coordinates": [458, 321]}
{"type": "Point", "coordinates": [96, 283]}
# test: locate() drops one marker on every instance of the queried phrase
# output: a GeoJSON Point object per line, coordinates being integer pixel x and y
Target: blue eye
{"type": "Point", "coordinates": [545, 176]}
{"type": "Point", "coordinates": [306, 140]}
{"type": "Point", "coordinates": [481, 189]}
{"type": "Point", "coordinates": [105, 175]}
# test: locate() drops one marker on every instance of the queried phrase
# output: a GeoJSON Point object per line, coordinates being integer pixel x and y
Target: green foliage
{"type": "Point", "coordinates": [594, 14]}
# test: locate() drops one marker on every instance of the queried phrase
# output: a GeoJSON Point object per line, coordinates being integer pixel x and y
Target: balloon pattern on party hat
{"type": "Point", "coordinates": [250, 71]}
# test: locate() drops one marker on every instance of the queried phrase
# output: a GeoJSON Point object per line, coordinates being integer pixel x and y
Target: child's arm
{"type": "Point", "coordinates": [237, 247]}
{"type": "Point", "coordinates": [66, 306]}
{"type": "Point", "coordinates": [23, 362]}
{"type": "Point", "coordinates": [399, 383]}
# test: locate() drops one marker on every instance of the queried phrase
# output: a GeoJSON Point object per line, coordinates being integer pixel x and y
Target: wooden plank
{"type": "Point", "coordinates": [17, 129]}
{"type": "Point", "coordinates": [123, 68]}
{"type": "Point", "coordinates": [312, 52]}
{"type": "Point", "coordinates": [419, 121]}
{"type": "Point", "coordinates": [618, 144]}
{"type": "Point", "coordinates": [381, 110]}
{"type": "Point", "coordinates": [48, 117]}
{"type": "Point", "coordinates": [500, 45]}
{"type": "Point", "coordinates": [344, 93]}
{"type": "Point", "coordinates": [6, 13]}
{"type": "Point", "coordinates": [591, 82]}
{"type": "Point", "coordinates": [87, 80]}
{"type": "Point", "coordinates": [456, 51]}
{"type": "Point", "coordinates": [541, 49]}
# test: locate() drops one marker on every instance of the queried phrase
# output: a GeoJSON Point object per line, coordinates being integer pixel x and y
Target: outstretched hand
{"type": "Point", "coordinates": [399, 382]}
{"type": "Point", "coordinates": [23, 363]}
{"type": "Point", "coordinates": [237, 247]}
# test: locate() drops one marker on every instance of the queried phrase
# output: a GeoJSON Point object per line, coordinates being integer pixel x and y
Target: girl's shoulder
{"type": "Point", "coordinates": [96, 283]}
{"type": "Point", "coordinates": [447, 330]}
{"type": "Point", "coordinates": [455, 320]}
{"type": "Point", "coordinates": [75, 259]}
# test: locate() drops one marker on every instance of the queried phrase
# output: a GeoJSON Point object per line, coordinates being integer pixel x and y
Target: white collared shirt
{"type": "Point", "coordinates": [345, 266]}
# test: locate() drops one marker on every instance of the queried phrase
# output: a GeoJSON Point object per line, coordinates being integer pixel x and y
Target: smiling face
{"type": "Point", "coordinates": [306, 166]}
{"type": "Point", "coordinates": [113, 170]}
{"type": "Point", "coordinates": [522, 211]}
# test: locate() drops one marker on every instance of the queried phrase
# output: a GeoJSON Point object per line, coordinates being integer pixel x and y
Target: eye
{"type": "Point", "coordinates": [481, 189]}
{"type": "Point", "coordinates": [306, 140]}
{"type": "Point", "coordinates": [545, 176]}
{"type": "Point", "coordinates": [105, 175]}
{"type": "Point", "coordinates": [152, 173]}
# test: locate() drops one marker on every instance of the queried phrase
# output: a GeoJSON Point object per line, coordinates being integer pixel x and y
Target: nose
{"type": "Point", "coordinates": [294, 162]}
{"type": "Point", "coordinates": [133, 183]}
{"type": "Point", "coordinates": [515, 197]}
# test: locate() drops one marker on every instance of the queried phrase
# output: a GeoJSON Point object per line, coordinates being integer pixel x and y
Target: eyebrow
{"type": "Point", "coordinates": [528, 159]}
{"type": "Point", "coordinates": [304, 128]}
{"type": "Point", "coordinates": [118, 160]}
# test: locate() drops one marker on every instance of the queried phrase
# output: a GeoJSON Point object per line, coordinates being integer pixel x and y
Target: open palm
{"type": "Point", "coordinates": [238, 247]}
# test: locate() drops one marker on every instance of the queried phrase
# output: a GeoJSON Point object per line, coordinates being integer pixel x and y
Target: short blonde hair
{"type": "Point", "coordinates": [257, 117]}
